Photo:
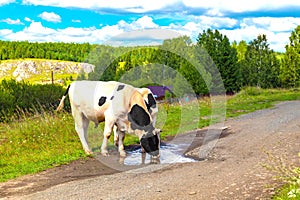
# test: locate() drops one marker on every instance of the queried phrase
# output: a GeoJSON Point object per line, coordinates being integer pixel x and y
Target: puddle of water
{"type": "Point", "coordinates": [169, 153]}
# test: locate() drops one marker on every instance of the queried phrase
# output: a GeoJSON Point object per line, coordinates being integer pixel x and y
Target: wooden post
{"type": "Point", "coordinates": [52, 77]}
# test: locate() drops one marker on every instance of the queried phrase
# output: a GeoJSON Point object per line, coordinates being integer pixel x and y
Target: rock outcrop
{"type": "Point", "coordinates": [25, 69]}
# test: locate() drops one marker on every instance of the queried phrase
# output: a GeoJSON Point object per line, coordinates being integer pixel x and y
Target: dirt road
{"type": "Point", "coordinates": [233, 169]}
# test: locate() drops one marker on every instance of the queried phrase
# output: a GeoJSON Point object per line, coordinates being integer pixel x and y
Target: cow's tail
{"type": "Point", "coordinates": [61, 104]}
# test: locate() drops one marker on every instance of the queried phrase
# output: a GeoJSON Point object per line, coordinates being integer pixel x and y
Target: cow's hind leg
{"type": "Point", "coordinates": [121, 136]}
{"type": "Point", "coordinates": [116, 136]}
{"type": "Point", "coordinates": [81, 126]}
{"type": "Point", "coordinates": [106, 135]}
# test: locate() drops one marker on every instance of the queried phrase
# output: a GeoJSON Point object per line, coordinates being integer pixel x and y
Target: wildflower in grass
{"type": "Point", "coordinates": [294, 193]}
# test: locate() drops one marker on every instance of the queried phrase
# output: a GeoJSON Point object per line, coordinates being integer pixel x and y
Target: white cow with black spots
{"type": "Point", "coordinates": [116, 104]}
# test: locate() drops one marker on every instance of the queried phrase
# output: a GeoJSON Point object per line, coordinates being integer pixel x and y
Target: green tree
{"type": "Point", "coordinates": [181, 55]}
{"type": "Point", "coordinates": [260, 67]}
{"type": "Point", "coordinates": [224, 57]}
{"type": "Point", "coordinates": [290, 70]}
{"type": "Point", "coordinates": [241, 49]}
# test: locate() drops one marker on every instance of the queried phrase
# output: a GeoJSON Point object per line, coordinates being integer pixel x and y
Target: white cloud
{"type": "Point", "coordinates": [39, 29]}
{"type": "Point", "coordinates": [144, 22]}
{"type": "Point", "coordinates": [12, 21]}
{"type": "Point", "coordinates": [277, 41]}
{"type": "Point", "coordinates": [142, 37]}
{"type": "Point", "coordinates": [76, 21]}
{"type": "Point", "coordinates": [131, 6]}
{"type": "Point", "coordinates": [37, 32]}
{"type": "Point", "coordinates": [273, 24]}
{"type": "Point", "coordinates": [240, 6]}
{"type": "Point", "coordinates": [27, 19]}
{"type": "Point", "coordinates": [3, 2]}
{"type": "Point", "coordinates": [214, 7]}
{"type": "Point", "coordinates": [4, 32]}
{"type": "Point", "coordinates": [214, 12]}
{"type": "Point", "coordinates": [277, 30]}
{"type": "Point", "coordinates": [50, 17]}
{"type": "Point", "coordinates": [217, 22]}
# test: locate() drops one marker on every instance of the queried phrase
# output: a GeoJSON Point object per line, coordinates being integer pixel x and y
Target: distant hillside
{"type": "Point", "coordinates": [40, 70]}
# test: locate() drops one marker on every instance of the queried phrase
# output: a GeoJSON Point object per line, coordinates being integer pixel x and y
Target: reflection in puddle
{"type": "Point", "coordinates": [169, 153]}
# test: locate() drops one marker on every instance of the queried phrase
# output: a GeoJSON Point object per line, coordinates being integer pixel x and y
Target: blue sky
{"type": "Point", "coordinates": [97, 21]}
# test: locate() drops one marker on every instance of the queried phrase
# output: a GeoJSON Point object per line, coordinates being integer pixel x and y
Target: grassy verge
{"type": "Point", "coordinates": [35, 144]}
{"type": "Point", "coordinates": [285, 173]}
{"type": "Point", "coordinates": [48, 140]}
{"type": "Point", "coordinates": [288, 192]}
{"type": "Point", "coordinates": [251, 99]}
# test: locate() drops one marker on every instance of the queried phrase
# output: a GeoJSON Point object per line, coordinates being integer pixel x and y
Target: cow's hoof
{"type": "Point", "coordinates": [88, 152]}
{"type": "Point", "coordinates": [122, 153]}
{"type": "Point", "coordinates": [104, 153]}
{"type": "Point", "coordinates": [155, 157]}
{"type": "Point", "coordinates": [116, 143]}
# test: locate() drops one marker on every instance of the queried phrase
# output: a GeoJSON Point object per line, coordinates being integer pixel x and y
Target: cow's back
{"type": "Point", "coordinates": [94, 98]}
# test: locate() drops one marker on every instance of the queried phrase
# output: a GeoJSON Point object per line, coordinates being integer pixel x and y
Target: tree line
{"type": "Point", "coordinates": [212, 64]}
{"type": "Point", "coordinates": [47, 50]}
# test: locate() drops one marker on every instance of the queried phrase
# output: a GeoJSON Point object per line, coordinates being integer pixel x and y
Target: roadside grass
{"type": "Point", "coordinates": [288, 192]}
{"type": "Point", "coordinates": [46, 140]}
{"type": "Point", "coordinates": [285, 173]}
{"type": "Point", "coordinates": [37, 143]}
{"type": "Point", "coordinates": [251, 99]}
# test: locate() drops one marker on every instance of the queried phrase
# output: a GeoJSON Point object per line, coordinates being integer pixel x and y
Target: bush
{"type": "Point", "coordinates": [23, 97]}
{"type": "Point", "coordinates": [251, 91]}
{"type": "Point", "coordinates": [6, 104]}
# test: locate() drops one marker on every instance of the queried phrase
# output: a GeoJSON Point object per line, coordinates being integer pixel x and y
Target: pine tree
{"type": "Point", "coordinates": [290, 70]}
{"type": "Point", "coordinates": [260, 67]}
{"type": "Point", "coordinates": [224, 57]}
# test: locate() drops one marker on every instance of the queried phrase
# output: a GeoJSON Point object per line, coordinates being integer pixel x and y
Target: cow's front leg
{"type": "Point", "coordinates": [106, 135]}
{"type": "Point", "coordinates": [142, 149]}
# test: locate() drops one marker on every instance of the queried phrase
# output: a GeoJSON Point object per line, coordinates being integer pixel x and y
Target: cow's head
{"type": "Point", "coordinates": [140, 123]}
{"type": "Point", "coordinates": [151, 142]}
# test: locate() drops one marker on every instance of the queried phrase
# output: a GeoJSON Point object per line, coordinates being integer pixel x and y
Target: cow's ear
{"type": "Point", "coordinates": [151, 101]}
{"type": "Point", "coordinates": [138, 116]}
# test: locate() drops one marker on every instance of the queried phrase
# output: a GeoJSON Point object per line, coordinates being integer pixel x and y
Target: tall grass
{"type": "Point", "coordinates": [36, 143]}
{"type": "Point", "coordinates": [27, 98]}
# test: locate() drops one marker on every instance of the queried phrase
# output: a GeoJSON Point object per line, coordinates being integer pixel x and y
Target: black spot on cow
{"type": "Point", "coordinates": [102, 101]}
{"type": "Point", "coordinates": [120, 87]}
{"type": "Point", "coordinates": [112, 97]}
{"type": "Point", "coordinates": [138, 117]}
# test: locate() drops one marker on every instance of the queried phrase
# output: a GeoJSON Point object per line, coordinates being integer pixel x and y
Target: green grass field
{"type": "Point", "coordinates": [34, 144]}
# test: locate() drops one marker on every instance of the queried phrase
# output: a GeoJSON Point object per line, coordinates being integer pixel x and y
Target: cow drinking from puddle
{"type": "Point", "coordinates": [116, 104]}
{"type": "Point", "coordinates": [151, 107]}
